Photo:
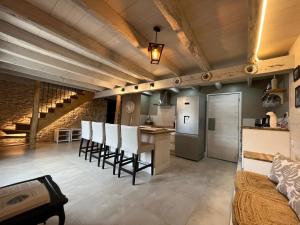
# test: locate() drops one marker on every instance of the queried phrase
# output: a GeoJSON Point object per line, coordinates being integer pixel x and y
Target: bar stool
{"type": "Point", "coordinates": [131, 143]}
{"type": "Point", "coordinates": [98, 141]}
{"type": "Point", "coordinates": [86, 135]}
{"type": "Point", "coordinates": [112, 145]}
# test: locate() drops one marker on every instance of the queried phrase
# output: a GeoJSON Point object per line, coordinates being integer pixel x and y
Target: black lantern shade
{"type": "Point", "coordinates": [155, 49]}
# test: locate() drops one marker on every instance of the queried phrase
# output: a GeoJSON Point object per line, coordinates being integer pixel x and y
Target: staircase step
{"type": "Point", "coordinates": [59, 105]}
{"type": "Point", "coordinates": [43, 115]}
{"type": "Point", "coordinates": [22, 126]}
{"type": "Point", "coordinates": [67, 100]}
{"type": "Point", "coordinates": [12, 131]}
{"type": "Point", "coordinates": [74, 96]}
{"type": "Point", "coordinates": [51, 110]}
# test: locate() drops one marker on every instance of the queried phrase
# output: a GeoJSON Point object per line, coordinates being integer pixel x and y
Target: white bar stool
{"type": "Point", "coordinates": [86, 135]}
{"type": "Point", "coordinates": [131, 143]}
{"type": "Point", "coordinates": [98, 141]}
{"type": "Point", "coordinates": [112, 143]}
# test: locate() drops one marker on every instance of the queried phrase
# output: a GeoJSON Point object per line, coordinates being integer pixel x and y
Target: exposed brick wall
{"type": "Point", "coordinates": [16, 98]}
{"type": "Point", "coordinates": [94, 110]}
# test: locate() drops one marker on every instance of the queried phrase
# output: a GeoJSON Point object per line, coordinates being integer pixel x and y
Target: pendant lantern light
{"type": "Point", "coordinates": [155, 49]}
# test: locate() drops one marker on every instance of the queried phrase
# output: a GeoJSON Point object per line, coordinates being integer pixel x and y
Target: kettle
{"type": "Point", "coordinates": [273, 119]}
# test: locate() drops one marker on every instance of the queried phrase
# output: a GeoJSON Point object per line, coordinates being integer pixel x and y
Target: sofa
{"type": "Point", "coordinates": [257, 202]}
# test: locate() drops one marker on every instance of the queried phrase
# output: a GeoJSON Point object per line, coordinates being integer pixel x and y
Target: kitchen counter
{"type": "Point", "coordinates": [160, 137]}
{"type": "Point", "coordinates": [153, 130]}
{"type": "Point", "coordinates": [266, 128]}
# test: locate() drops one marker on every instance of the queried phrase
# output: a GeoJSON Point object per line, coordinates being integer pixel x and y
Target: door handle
{"type": "Point", "coordinates": [211, 124]}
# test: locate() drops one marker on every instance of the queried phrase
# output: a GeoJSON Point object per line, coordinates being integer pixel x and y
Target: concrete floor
{"type": "Point", "coordinates": [187, 193]}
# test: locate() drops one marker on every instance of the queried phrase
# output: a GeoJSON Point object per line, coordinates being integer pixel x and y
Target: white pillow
{"type": "Point", "coordinates": [279, 165]}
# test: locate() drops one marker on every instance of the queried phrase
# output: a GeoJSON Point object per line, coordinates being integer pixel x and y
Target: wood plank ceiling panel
{"type": "Point", "coordinates": [281, 29]}
{"type": "Point", "coordinates": [143, 15]}
{"type": "Point", "coordinates": [71, 14]}
{"type": "Point", "coordinates": [221, 29]}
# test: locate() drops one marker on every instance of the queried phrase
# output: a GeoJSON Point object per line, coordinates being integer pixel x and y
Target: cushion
{"type": "Point", "coordinates": [294, 202]}
{"type": "Point", "coordinates": [279, 165]}
{"type": "Point", "coordinates": [253, 209]}
{"type": "Point", "coordinates": [258, 184]}
{"type": "Point", "coordinates": [290, 176]}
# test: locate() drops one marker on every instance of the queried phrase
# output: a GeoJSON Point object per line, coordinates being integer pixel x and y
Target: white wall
{"type": "Point", "coordinates": [294, 120]}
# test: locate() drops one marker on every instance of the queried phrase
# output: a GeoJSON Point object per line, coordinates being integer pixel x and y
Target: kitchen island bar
{"type": "Point", "coordinates": [161, 139]}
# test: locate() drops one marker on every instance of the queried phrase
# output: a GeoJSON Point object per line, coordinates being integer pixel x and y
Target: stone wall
{"type": "Point", "coordinates": [16, 98]}
{"type": "Point", "coordinates": [94, 110]}
{"type": "Point", "coordinates": [294, 119]}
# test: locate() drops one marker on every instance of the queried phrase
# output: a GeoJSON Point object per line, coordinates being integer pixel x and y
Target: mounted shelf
{"type": "Point", "coordinates": [279, 92]}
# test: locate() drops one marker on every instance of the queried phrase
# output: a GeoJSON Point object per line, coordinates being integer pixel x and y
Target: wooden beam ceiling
{"type": "Point", "coordinates": [21, 61]}
{"type": "Point", "coordinates": [20, 11]}
{"type": "Point", "coordinates": [231, 74]}
{"type": "Point", "coordinates": [106, 15]}
{"type": "Point", "coordinates": [20, 71]}
{"type": "Point", "coordinates": [30, 41]}
{"type": "Point", "coordinates": [172, 12]}
{"type": "Point", "coordinates": [55, 63]}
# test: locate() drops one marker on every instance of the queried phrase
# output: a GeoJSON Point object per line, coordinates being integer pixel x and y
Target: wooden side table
{"type": "Point", "coordinates": [42, 213]}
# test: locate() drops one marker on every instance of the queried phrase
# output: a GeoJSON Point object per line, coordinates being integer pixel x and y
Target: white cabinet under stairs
{"type": "Point", "coordinates": [67, 135]}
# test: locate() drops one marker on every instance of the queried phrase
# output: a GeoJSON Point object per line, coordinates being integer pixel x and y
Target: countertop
{"type": "Point", "coordinates": [154, 130]}
{"type": "Point", "coordinates": [266, 128]}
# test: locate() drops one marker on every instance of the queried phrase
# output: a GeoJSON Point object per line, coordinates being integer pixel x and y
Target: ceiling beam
{"type": "Point", "coordinates": [55, 63]}
{"type": "Point", "coordinates": [172, 12]}
{"type": "Point", "coordinates": [106, 15]}
{"type": "Point", "coordinates": [278, 65]}
{"type": "Point", "coordinates": [255, 25]}
{"type": "Point", "coordinates": [21, 11]}
{"type": "Point", "coordinates": [30, 41]}
{"type": "Point", "coordinates": [37, 75]}
{"type": "Point", "coordinates": [19, 61]}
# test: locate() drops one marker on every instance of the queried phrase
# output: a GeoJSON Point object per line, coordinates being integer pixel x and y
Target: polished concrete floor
{"type": "Point", "coordinates": [187, 193]}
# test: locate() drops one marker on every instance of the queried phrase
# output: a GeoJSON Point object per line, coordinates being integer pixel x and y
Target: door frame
{"type": "Point", "coordinates": [240, 121]}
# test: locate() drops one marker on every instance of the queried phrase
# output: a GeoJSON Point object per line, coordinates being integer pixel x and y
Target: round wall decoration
{"type": "Point", "coordinates": [130, 106]}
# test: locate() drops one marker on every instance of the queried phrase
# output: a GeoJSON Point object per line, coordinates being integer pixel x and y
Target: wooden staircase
{"type": "Point", "coordinates": [55, 101]}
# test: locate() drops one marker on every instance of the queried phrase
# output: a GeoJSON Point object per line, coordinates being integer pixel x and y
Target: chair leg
{"type": "Point", "coordinates": [80, 146]}
{"type": "Point", "coordinates": [99, 157]}
{"type": "Point", "coordinates": [135, 168]}
{"type": "Point", "coordinates": [86, 149]}
{"type": "Point", "coordinates": [152, 162]}
{"type": "Point", "coordinates": [91, 153]}
{"type": "Point", "coordinates": [120, 163]}
{"type": "Point", "coordinates": [104, 157]}
{"type": "Point", "coordinates": [115, 161]}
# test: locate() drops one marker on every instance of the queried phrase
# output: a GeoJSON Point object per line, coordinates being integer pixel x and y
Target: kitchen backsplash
{"type": "Point", "coordinates": [165, 117]}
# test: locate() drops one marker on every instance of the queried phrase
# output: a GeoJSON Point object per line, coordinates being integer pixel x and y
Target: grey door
{"type": "Point", "coordinates": [223, 126]}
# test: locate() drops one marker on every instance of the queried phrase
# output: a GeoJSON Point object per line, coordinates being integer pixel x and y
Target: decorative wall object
{"type": "Point", "coordinates": [296, 73]}
{"type": "Point", "coordinates": [297, 97]}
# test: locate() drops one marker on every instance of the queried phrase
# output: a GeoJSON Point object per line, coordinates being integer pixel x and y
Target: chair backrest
{"type": "Point", "coordinates": [112, 135]}
{"type": "Point", "coordinates": [130, 138]}
{"type": "Point", "coordinates": [86, 130]}
{"type": "Point", "coordinates": [98, 132]}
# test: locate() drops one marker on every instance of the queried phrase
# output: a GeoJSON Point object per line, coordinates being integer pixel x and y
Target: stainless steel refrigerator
{"type": "Point", "coordinates": [190, 127]}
